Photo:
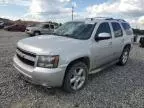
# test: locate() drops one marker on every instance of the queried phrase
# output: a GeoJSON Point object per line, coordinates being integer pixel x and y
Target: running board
{"type": "Point", "coordinates": [104, 67]}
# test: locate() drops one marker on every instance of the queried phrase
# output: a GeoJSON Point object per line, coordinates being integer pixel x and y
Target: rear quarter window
{"type": "Point", "coordinates": [127, 28]}
{"type": "Point", "coordinates": [52, 26]}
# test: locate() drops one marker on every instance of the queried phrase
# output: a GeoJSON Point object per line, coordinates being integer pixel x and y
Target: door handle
{"type": "Point", "coordinates": [110, 43]}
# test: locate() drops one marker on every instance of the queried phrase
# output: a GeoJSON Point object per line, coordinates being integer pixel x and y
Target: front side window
{"type": "Point", "coordinates": [117, 29]}
{"type": "Point", "coordinates": [37, 25]}
{"type": "Point", "coordinates": [76, 30]}
{"type": "Point", "coordinates": [127, 28]}
{"type": "Point", "coordinates": [46, 26]}
{"type": "Point", "coordinates": [103, 28]}
{"type": "Point", "coordinates": [52, 26]}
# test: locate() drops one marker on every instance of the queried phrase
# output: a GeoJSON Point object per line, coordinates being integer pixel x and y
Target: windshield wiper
{"type": "Point", "coordinates": [70, 36]}
{"type": "Point", "coordinates": [65, 35]}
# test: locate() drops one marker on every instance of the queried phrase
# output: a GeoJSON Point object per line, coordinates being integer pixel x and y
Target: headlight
{"type": "Point", "coordinates": [48, 61]}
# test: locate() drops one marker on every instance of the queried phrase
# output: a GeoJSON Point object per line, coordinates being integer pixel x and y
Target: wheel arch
{"type": "Point", "coordinates": [84, 59]}
{"type": "Point", "coordinates": [127, 45]}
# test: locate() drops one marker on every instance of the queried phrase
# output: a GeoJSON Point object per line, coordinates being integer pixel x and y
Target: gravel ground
{"type": "Point", "coordinates": [115, 87]}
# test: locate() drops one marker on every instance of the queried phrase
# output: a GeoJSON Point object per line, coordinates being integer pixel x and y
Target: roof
{"type": "Point", "coordinates": [97, 19]}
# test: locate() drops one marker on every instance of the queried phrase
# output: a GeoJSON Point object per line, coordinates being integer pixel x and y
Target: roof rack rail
{"type": "Point", "coordinates": [121, 20]}
{"type": "Point", "coordinates": [104, 18]}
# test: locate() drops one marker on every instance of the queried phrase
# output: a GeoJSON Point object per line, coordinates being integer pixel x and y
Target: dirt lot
{"type": "Point", "coordinates": [115, 87]}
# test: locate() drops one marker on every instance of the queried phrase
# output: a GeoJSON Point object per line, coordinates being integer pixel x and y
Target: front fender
{"type": "Point", "coordinates": [67, 59]}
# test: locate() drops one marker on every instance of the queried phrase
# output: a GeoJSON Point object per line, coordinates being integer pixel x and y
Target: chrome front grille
{"type": "Point", "coordinates": [26, 57]}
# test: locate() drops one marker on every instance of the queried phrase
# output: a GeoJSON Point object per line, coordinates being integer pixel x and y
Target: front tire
{"type": "Point", "coordinates": [124, 57]}
{"type": "Point", "coordinates": [76, 77]}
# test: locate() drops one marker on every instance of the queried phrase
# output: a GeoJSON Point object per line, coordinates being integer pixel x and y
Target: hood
{"type": "Point", "coordinates": [48, 44]}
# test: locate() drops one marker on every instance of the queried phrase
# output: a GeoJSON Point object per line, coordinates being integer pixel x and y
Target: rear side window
{"type": "Point", "coordinates": [103, 28]}
{"type": "Point", "coordinates": [127, 28]}
{"type": "Point", "coordinates": [117, 29]}
{"type": "Point", "coordinates": [52, 26]}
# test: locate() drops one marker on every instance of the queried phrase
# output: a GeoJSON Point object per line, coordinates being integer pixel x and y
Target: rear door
{"type": "Point", "coordinates": [118, 40]}
{"type": "Point", "coordinates": [52, 28]}
{"type": "Point", "coordinates": [45, 29]}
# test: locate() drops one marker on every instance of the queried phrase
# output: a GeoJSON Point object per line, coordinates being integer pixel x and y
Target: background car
{"type": "Point", "coordinates": [16, 27]}
{"type": "Point", "coordinates": [142, 42]}
{"type": "Point", "coordinates": [38, 29]}
{"type": "Point", "coordinates": [1, 24]}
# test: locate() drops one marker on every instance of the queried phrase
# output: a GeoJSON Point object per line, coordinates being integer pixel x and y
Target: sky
{"type": "Point", "coordinates": [60, 10]}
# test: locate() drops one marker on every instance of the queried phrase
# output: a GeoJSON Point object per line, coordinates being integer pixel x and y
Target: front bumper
{"type": "Point", "coordinates": [29, 32]}
{"type": "Point", "coordinates": [40, 76]}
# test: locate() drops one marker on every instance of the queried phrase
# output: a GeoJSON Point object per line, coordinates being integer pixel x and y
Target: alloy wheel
{"type": "Point", "coordinates": [78, 78]}
{"type": "Point", "coordinates": [125, 56]}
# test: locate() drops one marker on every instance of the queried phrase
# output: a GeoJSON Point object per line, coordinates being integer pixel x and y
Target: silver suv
{"type": "Point", "coordinates": [39, 29]}
{"type": "Point", "coordinates": [75, 50]}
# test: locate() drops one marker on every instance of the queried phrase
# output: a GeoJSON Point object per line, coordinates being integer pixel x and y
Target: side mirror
{"type": "Point", "coordinates": [103, 36]}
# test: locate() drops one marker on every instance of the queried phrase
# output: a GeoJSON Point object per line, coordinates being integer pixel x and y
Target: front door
{"type": "Point", "coordinates": [102, 50]}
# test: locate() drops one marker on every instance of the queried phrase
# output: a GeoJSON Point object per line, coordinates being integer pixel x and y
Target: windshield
{"type": "Point", "coordinates": [77, 30]}
{"type": "Point", "coordinates": [35, 25]}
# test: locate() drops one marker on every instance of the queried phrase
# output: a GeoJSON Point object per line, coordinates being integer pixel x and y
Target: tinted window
{"type": "Point", "coordinates": [52, 26]}
{"type": "Point", "coordinates": [117, 29]}
{"type": "Point", "coordinates": [103, 28]}
{"type": "Point", "coordinates": [46, 26]}
{"type": "Point", "coordinates": [127, 28]}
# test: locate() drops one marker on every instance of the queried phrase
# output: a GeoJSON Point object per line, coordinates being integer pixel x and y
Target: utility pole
{"type": "Point", "coordinates": [73, 7]}
{"type": "Point", "coordinates": [72, 12]}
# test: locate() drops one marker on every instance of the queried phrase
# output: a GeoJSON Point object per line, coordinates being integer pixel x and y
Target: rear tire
{"type": "Point", "coordinates": [37, 33]}
{"type": "Point", "coordinates": [124, 57]}
{"type": "Point", "coordinates": [30, 35]}
{"type": "Point", "coordinates": [76, 77]}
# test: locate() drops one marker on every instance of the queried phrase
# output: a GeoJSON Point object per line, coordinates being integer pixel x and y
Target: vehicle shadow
{"type": "Point", "coordinates": [107, 73]}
